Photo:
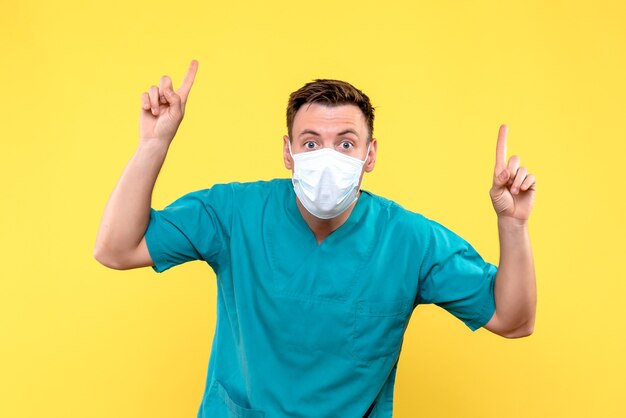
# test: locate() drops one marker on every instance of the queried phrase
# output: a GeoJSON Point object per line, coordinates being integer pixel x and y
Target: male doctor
{"type": "Point", "coordinates": [317, 278]}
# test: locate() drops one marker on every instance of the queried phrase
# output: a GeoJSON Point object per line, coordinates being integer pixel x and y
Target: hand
{"type": "Point", "coordinates": [163, 108]}
{"type": "Point", "coordinates": [513, 189]}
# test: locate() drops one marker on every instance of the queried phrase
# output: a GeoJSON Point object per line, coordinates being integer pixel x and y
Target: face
{"type": "Point", "coordinates": [342, 128]}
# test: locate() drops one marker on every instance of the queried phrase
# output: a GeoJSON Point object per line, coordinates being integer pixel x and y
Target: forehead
{"type": "Point", "coordinates": [329, 119]}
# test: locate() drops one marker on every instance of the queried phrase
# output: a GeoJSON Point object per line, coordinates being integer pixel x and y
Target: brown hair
{"type": "Point", "coordinates": [330, 93]}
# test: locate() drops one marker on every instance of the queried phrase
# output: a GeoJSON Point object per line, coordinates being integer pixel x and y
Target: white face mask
{"type": "Point", "coordinates": [326, 181]}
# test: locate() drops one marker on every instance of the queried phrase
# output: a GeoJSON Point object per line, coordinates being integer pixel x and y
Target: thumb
{"type": "Point", "coordinates": [174, 101]}
{"type": "Point", "coordinates": [501, 176]}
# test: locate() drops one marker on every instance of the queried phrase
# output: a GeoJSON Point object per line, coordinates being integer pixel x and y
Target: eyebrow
{"type": "Point", "coordinates": [345, 131]}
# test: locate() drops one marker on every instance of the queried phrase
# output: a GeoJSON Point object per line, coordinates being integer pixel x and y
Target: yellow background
{"type": "Point", "coordinates": [80, 340]}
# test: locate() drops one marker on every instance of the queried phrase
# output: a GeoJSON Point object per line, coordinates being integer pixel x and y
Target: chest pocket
{"type": "Point", "coordinates": [314, 327]}
{"type": "Point", "coordinates": [379, 328]}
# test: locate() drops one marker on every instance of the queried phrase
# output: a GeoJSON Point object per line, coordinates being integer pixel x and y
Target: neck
{"type": "Point", "coordinates": [322, 228]}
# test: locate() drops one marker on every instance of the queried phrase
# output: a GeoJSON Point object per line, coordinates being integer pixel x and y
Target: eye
{"type": "Point", "coordinates": [309, 145]}
{"type": "Point", "coordinates": [346, 145]}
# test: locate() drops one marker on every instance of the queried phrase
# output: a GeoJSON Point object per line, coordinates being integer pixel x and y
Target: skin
{"type": "Point", "coordinates": [120, 243]}
{"type": "Point", "coordinates": [513, 195]}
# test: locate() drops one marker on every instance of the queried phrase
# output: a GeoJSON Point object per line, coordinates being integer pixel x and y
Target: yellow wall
{"type": "Point", "coordinates": [80, 340]}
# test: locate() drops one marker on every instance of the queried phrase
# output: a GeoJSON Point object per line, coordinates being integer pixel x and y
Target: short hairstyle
{"type": "Point", "coordinates": [330, 93]}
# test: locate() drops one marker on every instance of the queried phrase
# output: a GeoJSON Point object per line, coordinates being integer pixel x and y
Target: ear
{"type": "Point", "coordinates": [371, 157]}
{"type": "Point", "coordinates": [286, 156]}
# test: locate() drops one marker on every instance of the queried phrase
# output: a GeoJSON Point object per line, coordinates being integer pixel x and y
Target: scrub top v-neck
{"type": "Point", "coordinates": [306, 329]}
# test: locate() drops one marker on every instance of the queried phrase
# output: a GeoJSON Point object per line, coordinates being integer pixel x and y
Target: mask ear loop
{"type": "Point", "coordinates": [366, 157]}
{"type": "Point", "coordinates": [290, 153]}
{"type": "Point", "coordinates": [368, 153]}
{"type": "Point", "coordinates": [293, 161]}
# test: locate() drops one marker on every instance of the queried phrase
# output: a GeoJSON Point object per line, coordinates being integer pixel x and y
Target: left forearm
{"type": "Point", "coordinates": [515, 287]}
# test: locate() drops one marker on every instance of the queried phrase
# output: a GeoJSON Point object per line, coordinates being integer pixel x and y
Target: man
{"type": "Point", "coordinates": [317, 279]}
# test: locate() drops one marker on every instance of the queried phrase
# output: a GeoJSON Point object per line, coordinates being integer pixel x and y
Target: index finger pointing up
{"type": "Point", "coordinates": [501, 147]}
{"type": "Point", "coordinates": [185, 86]}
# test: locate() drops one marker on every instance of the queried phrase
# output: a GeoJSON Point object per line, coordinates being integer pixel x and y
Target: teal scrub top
{"type": "Point", "coordinates": [306, 329]}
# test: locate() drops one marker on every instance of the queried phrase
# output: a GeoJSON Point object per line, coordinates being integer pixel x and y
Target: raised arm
{"type": "Point", "coordinates": [513, 195]}
{"type": "Point", "coordinates": [120, 242]}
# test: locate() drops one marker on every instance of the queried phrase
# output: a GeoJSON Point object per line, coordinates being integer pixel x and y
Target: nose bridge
{"type": "Point", "coordinates": [328, 135]}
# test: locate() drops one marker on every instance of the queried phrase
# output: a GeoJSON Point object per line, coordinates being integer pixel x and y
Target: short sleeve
{"type": "Point", "coordinates": [455, 277]}
{"type": "Point", "coordinates": [193, 227]}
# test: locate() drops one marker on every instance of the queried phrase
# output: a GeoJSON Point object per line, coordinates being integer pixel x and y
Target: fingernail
{"type": "Point", "coordinates": [502, 175]}
{"type": "Point", "coordinates": [515, 190]}
{"type": "Point", "coordinates": [168, 92]}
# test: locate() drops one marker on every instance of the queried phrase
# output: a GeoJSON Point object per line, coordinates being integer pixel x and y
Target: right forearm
{"type": "Point", "coordinates": [119, 243]}
{"type": "Point", "coordinates": [127, 212]}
